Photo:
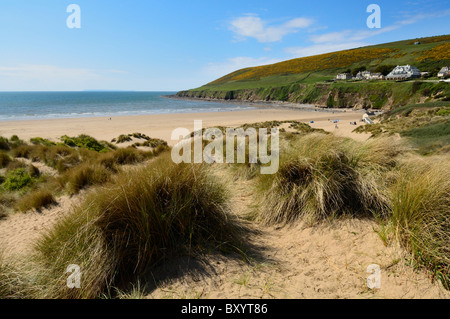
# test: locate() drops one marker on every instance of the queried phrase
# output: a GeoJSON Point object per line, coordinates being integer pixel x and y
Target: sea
{"type": "Point", "coordinates": [53, 105]}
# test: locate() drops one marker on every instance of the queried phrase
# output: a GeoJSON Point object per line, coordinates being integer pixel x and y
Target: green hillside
{"type": "Point", "coordinates": [307, 80]}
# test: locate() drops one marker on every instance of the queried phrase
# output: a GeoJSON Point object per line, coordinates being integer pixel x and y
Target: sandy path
{"type": "Point", "coordinates": [326, 261]}
{"type": "Point", "coordinates": [19, 231]}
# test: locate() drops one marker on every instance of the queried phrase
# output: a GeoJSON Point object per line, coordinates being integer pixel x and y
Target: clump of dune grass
{"type": "Point", "coordinates": [22, 151]}
{"type": "Point", "coordinates": [12, 283]}
{"type": "Point", "coordinates": [14, 165]}
{"type": "Point", "coordinates": [33, 171]}
{"type": "Point", "coordinates": [152, 142]}
{"type": "Point", "coordinates": [60, 157]}
{"type": "Point", "coordinates": [87, 142]}
{"type": "Point", "coordinates": [421, 213]}
{"type": "Point", "coordinates": [85, 175]}
{"type": "Point", "coordinates": [6, 201]}
{"type": "Point", "coordinates": [122, 139]}
{"type": "Point", "coordinates": [7, 280]}
{"type": "Point", "coordinates": [41, 141]}
{"type": "Point", "coordinates": [127, 227]}
{"type": "Point", "coordinates": [324, 176]}
{"type": "Point", "coordinates": [4, 144]}
{"type": "Point", "coordinates": [128, 156]}
{"type": "Point", "coordinates": [38, 199]}
{"type": "Point", "coordinates": [4, 160]}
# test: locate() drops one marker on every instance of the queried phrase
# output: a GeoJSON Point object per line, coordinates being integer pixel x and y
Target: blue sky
{"type": "Point", "coordinates": [173, 45]}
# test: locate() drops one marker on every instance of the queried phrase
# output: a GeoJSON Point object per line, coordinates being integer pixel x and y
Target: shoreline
{"type": "Point", "coordinates": [162, 125]}
{"type": "Point", "coordinates": [275, 105]}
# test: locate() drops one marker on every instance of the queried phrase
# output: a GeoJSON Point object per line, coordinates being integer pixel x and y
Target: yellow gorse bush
{"type": "Point", "coordinates": [440, 52]}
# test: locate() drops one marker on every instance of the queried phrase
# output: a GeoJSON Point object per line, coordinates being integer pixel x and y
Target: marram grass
{"type": "Point", "coordinates": [127, 227]}
{"type": "Point", "coordinates": [323, 176]}
{"type": "Point", "coordinates": [421, 213]}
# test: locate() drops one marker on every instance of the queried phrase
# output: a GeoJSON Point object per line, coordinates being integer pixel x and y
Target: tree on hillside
{"type": "Point", "coordinates": [359, 69]}
{"type": "Point", "coordinates": [434, 72]}
{"type": "Point", "coordinates": [384, 69]}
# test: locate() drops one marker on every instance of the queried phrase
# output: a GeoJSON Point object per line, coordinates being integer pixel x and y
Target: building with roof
{"type": "Point", "coordinates": [344, 76]}
{"type": "Point", "coordinates": [376, 76]}
{"type": "Point", "coordinates": [444, 72]}
{"type": "Point", "coordinates": [404, 72]}
{"type": "Point", "coordinates": [363, 75]}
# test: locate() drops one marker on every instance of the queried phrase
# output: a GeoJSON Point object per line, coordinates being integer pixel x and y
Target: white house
{"type": "Point", "coordinates": [363, 75]}
{"type": "Point", "coordinates": [404, 72]}
{"type": "Point", "coordinates": [344, 76]}
{"type": "Point", "coordinates": [444, 72]}
{"type": "Point", "coordinates": [377, 76]}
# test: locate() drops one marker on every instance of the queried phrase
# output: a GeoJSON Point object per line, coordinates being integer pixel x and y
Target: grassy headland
{"type": "Point", "coordinates": [306, 80]}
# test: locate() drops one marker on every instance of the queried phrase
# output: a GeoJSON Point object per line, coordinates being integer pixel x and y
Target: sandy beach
{"type": "Point", "coordinates": [328, 260]}
{"type": "Point", "coordinates": [161, 126]}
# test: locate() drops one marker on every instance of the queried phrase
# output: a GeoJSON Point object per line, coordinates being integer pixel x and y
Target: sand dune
{"type": "Point", "coordinates": [325, 261]}
{"type": "Point", "coordinates": [161, 126]}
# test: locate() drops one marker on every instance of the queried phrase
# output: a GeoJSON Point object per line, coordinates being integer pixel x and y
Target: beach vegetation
{"type": "Point", "coordinates": [127, 227]}
{"type": "Point", "coordinates": [37, 199]}
{"type": "Point", "coordinates": [22, 151]}
{"type": "Point", "coordinates": [123, 139]}
{"type": "Point", "coordinates": [153, 143]}
{"type": "Point", "coordinates": [84, 175]}
{"type": "Point", "coordinates": [420, 217]}
{"type": "Point", "coordinates": [17, 180]}
{"type": "Point", "coordinates": [41, 141]}
{"type": "Point", "coordinates": [12, 285]}
{"type": "Point", "coordinates": [426, 127]}
{"type": "Point", "coordinates": [4, 144]}
{"type": "Point", "coordinates": [86, 141]}
{"type": "Point", "coordinates": [323, 176]}
{"type": "Point", "coordinates": [4, 159]}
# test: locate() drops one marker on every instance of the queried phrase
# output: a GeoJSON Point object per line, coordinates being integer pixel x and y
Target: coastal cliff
{"type": "Point", "coordinates": [358, 95]}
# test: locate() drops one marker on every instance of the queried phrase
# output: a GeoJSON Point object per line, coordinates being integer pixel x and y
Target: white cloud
{"type": "Point", "coordinates": [252, 26]}
{"type": "Point", "coordinates": [359, 35]}
{"type": "Point", "coordinates": [215, 70]}
{"type": "Point", "coordinates": [350, 39]}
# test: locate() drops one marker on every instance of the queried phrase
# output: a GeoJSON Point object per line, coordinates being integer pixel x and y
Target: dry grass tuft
{"type": "Point", "coordinates": [125, 228]}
